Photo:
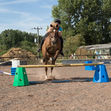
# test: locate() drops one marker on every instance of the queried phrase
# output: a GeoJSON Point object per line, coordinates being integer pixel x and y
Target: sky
{"type": "Point", "coordinates": [24, 15]}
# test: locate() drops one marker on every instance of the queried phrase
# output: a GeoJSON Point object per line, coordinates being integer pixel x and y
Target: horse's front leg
{"type": "Point", "coordinates": [46, 69]}
{"type": "Point", "coordinates": [55, 57]}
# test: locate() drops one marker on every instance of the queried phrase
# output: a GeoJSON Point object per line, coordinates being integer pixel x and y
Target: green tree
{"type": "Point", "coordinates": [15, 38]}
{"type": "Point", "coordinates": [90, 18]}
{"type": "Point", "coordinates": [72, 43]}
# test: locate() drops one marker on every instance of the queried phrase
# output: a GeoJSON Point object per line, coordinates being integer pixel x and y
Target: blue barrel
{"type": "Point", "coordinates": [13, 70]}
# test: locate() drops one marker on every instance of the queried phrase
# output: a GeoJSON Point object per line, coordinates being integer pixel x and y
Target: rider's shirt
{"type": "Point", "coordinates": [60, 29]}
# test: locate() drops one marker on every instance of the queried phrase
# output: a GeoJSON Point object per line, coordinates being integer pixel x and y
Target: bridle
{"type": "Point", "coordinates": [56, 27]}
{"type": "Point", "coordinates": [54, 35]}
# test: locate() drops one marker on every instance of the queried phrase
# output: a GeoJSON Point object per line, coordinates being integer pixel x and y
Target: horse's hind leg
{"type": "Point", "coordinates": [53, 63]}
{"type": "Point", "coordinates": [52, 70]}
{"type": "Point", "coordinates": [46, 77]}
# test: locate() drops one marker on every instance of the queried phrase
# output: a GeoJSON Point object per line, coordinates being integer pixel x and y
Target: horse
{"type": "Point", "coordinates": [51, 47]}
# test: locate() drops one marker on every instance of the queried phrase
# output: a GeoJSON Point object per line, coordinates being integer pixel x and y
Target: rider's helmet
{"type": "Point", "coordinates": [57, 21]}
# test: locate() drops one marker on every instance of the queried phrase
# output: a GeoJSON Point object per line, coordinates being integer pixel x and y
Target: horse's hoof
{"type": "Point", "coordinates": [46, 77]}
{"type": "Point", "coordinates": [51, 78]}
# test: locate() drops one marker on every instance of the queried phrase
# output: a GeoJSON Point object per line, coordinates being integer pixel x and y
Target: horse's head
{"type": "Point", "coordinates": [54, 33]}
{"type": "Point", "coordinates": [55, 26]}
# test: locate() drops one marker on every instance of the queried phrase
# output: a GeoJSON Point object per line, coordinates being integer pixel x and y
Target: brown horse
{"type": "Point", "coordinates": [51, 47]}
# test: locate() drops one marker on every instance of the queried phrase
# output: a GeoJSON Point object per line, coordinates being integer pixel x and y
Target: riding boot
{"type": "Point", "coordinates": [61, 51]}
{"type": "Point", "coordinates": [42, 41]}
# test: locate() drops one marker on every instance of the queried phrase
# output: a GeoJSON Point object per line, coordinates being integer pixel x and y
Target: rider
{"type": "Point", "coordinates": [59, 33]}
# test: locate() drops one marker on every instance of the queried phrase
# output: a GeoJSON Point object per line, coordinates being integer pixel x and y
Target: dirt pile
{"type": "Point", "coordinates": [18, 53]}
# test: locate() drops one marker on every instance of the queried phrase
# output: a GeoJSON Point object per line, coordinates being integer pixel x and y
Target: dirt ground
{"type": "Point", "coordinates": [72, 91]}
